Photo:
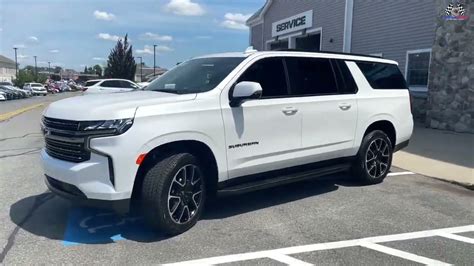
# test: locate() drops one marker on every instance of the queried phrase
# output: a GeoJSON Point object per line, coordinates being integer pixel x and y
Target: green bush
{"type": "Point", "coordinates": [26, 76]}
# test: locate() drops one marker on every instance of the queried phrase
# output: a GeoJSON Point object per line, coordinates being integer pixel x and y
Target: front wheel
{"type": "Point", "coordinates": [173, 193]}
{"type": "Point", "coordinates": [374, 159]}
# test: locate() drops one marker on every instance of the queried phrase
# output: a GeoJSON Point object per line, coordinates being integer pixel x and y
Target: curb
{"type": "Point", "coordinates": [9, 115]}
{"type": "Point", "coordinates": [465, 185]}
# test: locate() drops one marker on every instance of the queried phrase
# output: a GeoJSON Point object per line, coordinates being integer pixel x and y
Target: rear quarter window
{"type": "Point", "coordinates": [383, 76]}
{"type": "Point", "coordinates": [91, 83]}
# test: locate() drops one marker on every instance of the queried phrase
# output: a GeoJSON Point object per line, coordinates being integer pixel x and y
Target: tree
{"type": "Point", "coordinates": [57, 69]}
{"type": "Point", "coordinates": [25, 76]}
{"type": "Point", "coordinates": [98, 70]}
{"type": "Point", "coordinates": [121, 63]}
{"type": "Point", "coordinates": [85, 70]}
{"type": "Point", "coordinates": [90, 70]}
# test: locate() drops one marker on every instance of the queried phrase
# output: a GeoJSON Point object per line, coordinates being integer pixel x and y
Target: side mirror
{"type": "Point", "coordinates": [245, 90]}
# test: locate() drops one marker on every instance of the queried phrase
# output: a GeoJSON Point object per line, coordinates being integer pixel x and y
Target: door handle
{"type": "Point", "coordinates": [344, 106]}
{"type": "Point", "coordinates": [289, 110]}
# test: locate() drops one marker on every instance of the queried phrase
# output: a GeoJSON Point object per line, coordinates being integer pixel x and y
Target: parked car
{"type": "Point", "coordinates": [228, 124]}
{"type": "Point", "coordinates": [144, 84]}
{"type": "Point", "coordinates": [23, 93]}
{"type": "Point", "coordinates": [9, 95]}
{"type": "Point", "coordinates": [14, 93]}
{"type": "Point", "coordinates": [109, 86]}
{"type": "Point", "coordinates": [3, 96]}
{"type": "Point", "coordinates": [35, 88]}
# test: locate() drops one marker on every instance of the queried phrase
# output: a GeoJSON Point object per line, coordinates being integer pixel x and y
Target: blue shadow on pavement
{"type": "Point", "coordinates": [95, 226]}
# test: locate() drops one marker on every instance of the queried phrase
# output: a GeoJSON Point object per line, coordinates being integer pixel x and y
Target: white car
{"type": "Point", "coordinates": [227, 124]}
{"type": "Point", "coordinates": [3, 96]}
{"type": "Point", "coordinates": [109, 86]}
{"type": "Point", "coordinates": [35, 89]}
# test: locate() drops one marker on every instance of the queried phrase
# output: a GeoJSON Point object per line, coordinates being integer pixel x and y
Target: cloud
{"type": "Point", "coordinates": [148, 49]}
{"type": "Point", "coordinates": [102, 15]}
{"type": "Point", "coordinates": [99, 59]}
{"type": "Point", "coordinates": [22, 56]}
{"type": "Point", "coordinates": [185, 8]}
{"type": "Point", "coordinates": [235, 21]}
{"type": "Point", "coordinates": [156, 37]}
{"type": "Point", "coordinates": [21, 46]}
{"type": "Point", "coordinates": [108, 37]}
{"type": "Point", "coordinates": [1, 29]}
{"type": "Point", "coordinates": [54, 51]}
{"type": "Point", "coordinates": [33, 39]}
{"type": "Point", "coordinates": [82, 65]}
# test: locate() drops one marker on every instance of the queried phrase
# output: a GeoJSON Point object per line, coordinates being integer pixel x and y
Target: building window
{"type": "Point", "coordinates": [309, 43]}
{"type": "Point", "coordinates": [279, 45]}
{"type": "Point", "coordinates": [418, 64]}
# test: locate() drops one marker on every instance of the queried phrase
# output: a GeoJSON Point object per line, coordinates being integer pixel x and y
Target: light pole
{"type": "Point", "coordinates": [16, 62]}
{"type": "Point", "coordinates": [49, 69]}
{"type": "Point", "coordinates": [154, 59]}
{"type": "Point", "coordinates": [36, 70]}
{"type": "Point", "coordinates": [141, 68]}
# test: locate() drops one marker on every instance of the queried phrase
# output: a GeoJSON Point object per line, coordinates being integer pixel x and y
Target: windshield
{"type": "Point", "coordinates": [36, 85]}
{"type": "Point", "coordinates": [196, 75]}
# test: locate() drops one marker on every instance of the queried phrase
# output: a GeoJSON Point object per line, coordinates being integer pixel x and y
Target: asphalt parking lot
{"type": "Point", "coordinates": [325, 221]}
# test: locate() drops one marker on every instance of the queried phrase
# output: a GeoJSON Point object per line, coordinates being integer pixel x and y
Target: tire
{"type": "Point", "coordinates": [374, 159]}
{"type": "Point", "coordinates": [168, 206]}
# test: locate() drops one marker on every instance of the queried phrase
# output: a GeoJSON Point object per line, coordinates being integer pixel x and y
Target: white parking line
{"type": "Point", "coordinates": [456, 237]}
{"type": "Point", "coordinates": [366, 242]}
{"type": "Point", "coordinates": [401, 254]}
{"type": "Point", "coordinates": [288, 260]}
{"type": "Point", "coordinates": [400, 173]}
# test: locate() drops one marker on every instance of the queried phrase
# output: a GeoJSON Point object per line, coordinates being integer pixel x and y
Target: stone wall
{"type": "Point", "coordinates": [451, 80]}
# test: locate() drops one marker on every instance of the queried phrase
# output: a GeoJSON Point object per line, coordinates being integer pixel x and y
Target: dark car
{"type": "Point", "coordinates": [16, 94]}
{"type": "Point", "coordinates": [8, 94]}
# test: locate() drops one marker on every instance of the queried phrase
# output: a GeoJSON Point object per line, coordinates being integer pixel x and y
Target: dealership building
{"type": "Point", "coordinates": [404, 31]}
{"type": "Point", "coordinates": [7, 69]}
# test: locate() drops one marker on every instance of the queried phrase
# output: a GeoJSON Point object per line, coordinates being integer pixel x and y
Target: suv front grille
{"type": "Point", "coordinates": [63, 141]}
{"type": "Point", "coordinates": [60, 124]}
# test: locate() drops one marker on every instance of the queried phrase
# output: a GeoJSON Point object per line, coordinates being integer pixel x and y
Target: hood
{"type": "Point", "coordinates": [109, 106]}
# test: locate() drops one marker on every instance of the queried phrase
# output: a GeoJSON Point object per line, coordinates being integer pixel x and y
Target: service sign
{"type": "Point", "coordinates": [294, 23]}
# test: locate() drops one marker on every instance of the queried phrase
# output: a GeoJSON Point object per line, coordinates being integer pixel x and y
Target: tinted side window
{"type": "Point", "coordinates": [91, 83]}
{"type": "Point", "coordinates": [270, 73]}
{"type": "Point", "coordinates": [126, 84]}
{"type": "Point", "coordinates": [311, 76]}
{"type": "Point", "coordinates": [347, 84]}
{"type": "Point", "coordinates": [382, 76]}
{"type": "Point", "coordinates": [111, 84]}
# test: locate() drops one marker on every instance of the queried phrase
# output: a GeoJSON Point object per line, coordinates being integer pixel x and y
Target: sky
{"type": "Point", "coordinates": [76, 33]}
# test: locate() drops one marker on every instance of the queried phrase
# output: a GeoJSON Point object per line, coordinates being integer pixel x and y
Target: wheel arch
{"type": "Point", "coordinates": [203, 152]}
{"type": "Point", "coordinates": [386, 126]}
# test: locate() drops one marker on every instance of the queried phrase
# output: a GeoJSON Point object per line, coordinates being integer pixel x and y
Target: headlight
{"type": "Point", "coordinates": [117, 126]}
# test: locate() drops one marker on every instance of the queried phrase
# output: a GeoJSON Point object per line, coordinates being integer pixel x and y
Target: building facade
{"type": "Point", "coordinates": [7, 69]}
{"type": "Point", "coordinates": [403, 31]}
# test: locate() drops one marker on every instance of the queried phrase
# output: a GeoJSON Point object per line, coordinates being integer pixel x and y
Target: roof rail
{"type": "Point", "coordinates": [325, 52]}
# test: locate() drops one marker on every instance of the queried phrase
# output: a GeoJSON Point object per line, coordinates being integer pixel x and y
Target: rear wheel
{"type": "Point", "coordinates": [374, 158]}
{"type": "Point", "coordinates": [173, 193]}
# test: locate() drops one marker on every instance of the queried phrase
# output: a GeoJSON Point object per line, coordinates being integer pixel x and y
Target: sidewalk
{"type": "Point", "coordinates": [440, 154]}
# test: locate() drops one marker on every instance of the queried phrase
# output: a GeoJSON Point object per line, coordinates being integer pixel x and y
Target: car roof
{"type": "Point", "coordinates": [322, 54]}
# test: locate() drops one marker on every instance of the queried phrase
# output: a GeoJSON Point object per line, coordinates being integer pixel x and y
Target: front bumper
{"type": "Point", "coordinates": [91, 178]}
{"type": "Point", "coordinates": [72, 193]}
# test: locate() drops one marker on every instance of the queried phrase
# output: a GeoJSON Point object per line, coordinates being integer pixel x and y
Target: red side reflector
{"type": "Point", "coordinates": [141, 158]}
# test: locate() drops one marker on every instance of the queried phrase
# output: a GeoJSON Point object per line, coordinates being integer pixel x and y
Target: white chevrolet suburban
{"type": "Point", "coordinates": [227, 124]}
